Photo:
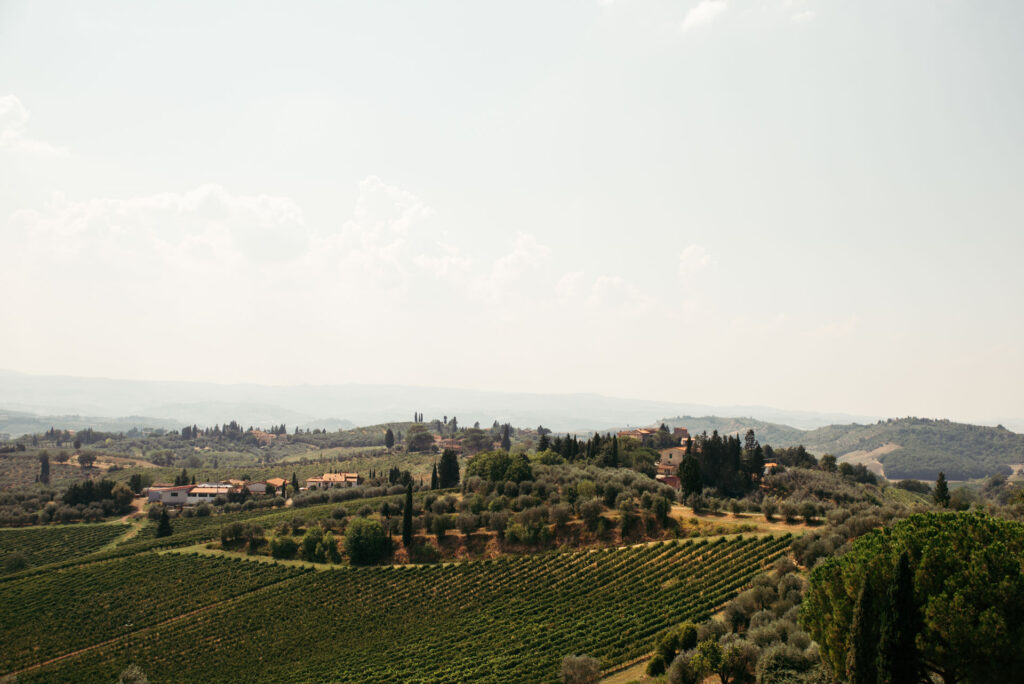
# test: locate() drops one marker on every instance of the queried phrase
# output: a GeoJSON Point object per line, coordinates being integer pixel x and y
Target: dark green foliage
{"type": "Point", "coordinates": [365, 542]}
{"type": "Point", "coordinates": [861, 661]}
{"type": "Point", "coordinates": [497, 466]}
{"type": "Point", "coordinates": [419, 438]}
{"type": "Point", "coordinates": [44, 468]}
{"type": "Point", "coordinates": [940, 495]}
{"type": "Point", "coordinates": [407, 517]}
{"type": "Point", "coordinates": [689, 475]}
{"type": "Point", "coordinates": [899, 624]}
{"type": "Point", "coordinates": [968, 588]}
{"type": "Point", "coordinates": [283, 547]}
{"type": "Point", "coordinates": [448, 470]}
{"type": "Point", "coordinates": [434, 480]}
{"type": "Point", "coordinates": [506, 441]}
{"type": "Point", "coordinates": [163, 528]}
{"type": "Point", "coordinates": [389, 439]}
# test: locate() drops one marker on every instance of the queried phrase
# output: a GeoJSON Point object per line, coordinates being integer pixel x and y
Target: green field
{"type": "Point", "coordinates": [511, 619]}
{"type": "Point", "coordinates": [55, 543]}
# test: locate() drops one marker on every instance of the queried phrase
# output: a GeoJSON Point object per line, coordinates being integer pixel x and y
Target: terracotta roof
{"type": "Point", "coordinates": [335, 477]}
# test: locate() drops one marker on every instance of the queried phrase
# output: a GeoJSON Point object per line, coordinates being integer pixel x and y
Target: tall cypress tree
{"type": "Point", "coordinates": [448, 472]}
{"type": "Point", "coordinates": [389, 439]}
{"type": "Point", "coordinates": [861, 664]}
{"type": "Point", "coordinates": [407, 517]}
{"type": "Point", "coordinates": [940, 495]}
{"type": "Point", "coordinates": [899, 624]}
{"type": "Point", "coordinates": [295, 483]}
{"type": "Point", "coordinates": [506, 440]}
{"type": "Point", "coordinates": [44, 468]}
{"type": "Point", "coordinates": [689, 475]}
{"type": "Point", "coordinates": [433, 477]}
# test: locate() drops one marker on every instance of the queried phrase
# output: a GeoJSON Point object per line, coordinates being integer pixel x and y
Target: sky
{"type": "Point", "coordinates": [807, 204]}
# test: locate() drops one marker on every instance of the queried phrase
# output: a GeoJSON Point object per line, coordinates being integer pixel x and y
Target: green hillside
{"type": "Point", "coordinates": [926, 446]}
{"type": "Point", "coordinates": [917, 447]}
{"type": "Point", "coordinates": [767, 433]}
{"type": "Point", "coordinates": [510, 619]}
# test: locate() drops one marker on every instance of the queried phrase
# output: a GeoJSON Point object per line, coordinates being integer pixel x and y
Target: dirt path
{"type": "Point", "coordinates": [681, 513]}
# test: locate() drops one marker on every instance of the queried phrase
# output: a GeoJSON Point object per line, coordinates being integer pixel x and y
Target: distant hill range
{"type": "Point", "coordinates": [900, 448]}
{"type": "Point", "coordinates": [317, 405]}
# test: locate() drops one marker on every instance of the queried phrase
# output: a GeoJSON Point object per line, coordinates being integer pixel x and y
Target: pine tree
{"type": "Point", "coordinates": [407, 517]}
{"type": "Point", "coordinates": [433, 478]}
{"type": "Point", "coordinates": [941, 493]}
{"type": "Point", "coordinates": [163, 528]}
{"type": "Point", "coordinates": [544, 443]}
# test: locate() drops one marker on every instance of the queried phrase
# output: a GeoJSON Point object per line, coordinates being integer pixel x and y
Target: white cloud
{"type": "Point", "coordinates": [527, 255]}
{"type": "Point", "coordinates": [569, 286]}
{"type": "Point", "coordinates": [450, 264]}
{"type": "Point", "coordinates": [705, 12]}
{"type": "Point", "coordinates": [693, 259]}
{"type": "Point", "coordinates": [614, 296]}
{"type": "Point", "coordinates": [13, 123]}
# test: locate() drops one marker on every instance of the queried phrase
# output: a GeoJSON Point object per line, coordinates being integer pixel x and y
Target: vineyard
{"type": "Point", "coordinates": [510, 619]}
{"type": "Point", "coordinates": [61, 611]}
{"type": "Point", "coordinates": [51, 544]}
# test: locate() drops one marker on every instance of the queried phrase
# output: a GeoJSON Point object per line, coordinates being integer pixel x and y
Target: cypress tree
{"type": "Point", "coordinates": [389, 439]}
{"type": "Point", "coordinates": [44, 468]}
{"type": "Point", "coordinates": [163, 528]}
{"type": "Point", "coordinates": [407, 517]}
{"type": "Point", "coordinates": [899, 624]}
{"type": "Point", "coordinates": [295, 483]}
{"type": "Point", "coordinates": [689, 475]}
{"type": "Point", "coordinates": [941, 493]}
{"type": "Point", "coordinates": [863, 656]}
{"type": "Point", "coordinates": [506, 440]}
{"type": "Point", "coordinates": [433, 477]}
{"type": "Point", "coordinates": [448, 473]}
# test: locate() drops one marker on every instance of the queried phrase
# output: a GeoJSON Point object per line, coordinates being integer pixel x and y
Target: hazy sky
{"type": "Point", "coordinates": [807, 204]}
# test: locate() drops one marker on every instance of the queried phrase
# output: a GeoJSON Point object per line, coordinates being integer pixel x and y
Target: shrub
{"type": "Point", "coordinates": [365, 542]}
{"type": "Point", "coordinates": [283, 547]}
{"type": "Point", "coordinates": [580, 669]}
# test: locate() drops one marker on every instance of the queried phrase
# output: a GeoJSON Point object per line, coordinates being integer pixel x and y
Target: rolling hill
{"type": "Point", "coordinates": [905, 447]}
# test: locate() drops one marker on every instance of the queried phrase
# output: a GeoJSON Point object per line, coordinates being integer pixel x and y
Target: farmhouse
{"type": "Point", "coordinates": [169, 495]}
{"type": "Point", "coordinates": [638, 434]}
{"type": "Point", "coordinates": [670, 480]}
{"type": "Point", "coordinates": [329, 480]}
{"type": "Point", "coordinates": [207, 492]}
{"type": "Point", "coordinates": [279, 483]}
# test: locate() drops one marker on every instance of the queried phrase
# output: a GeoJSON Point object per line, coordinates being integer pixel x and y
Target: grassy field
{"type": "Point", "coordinates": [510, 619]}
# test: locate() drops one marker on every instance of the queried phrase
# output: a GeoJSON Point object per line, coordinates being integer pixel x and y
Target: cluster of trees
{"type": "Point", "coordinates": [446, 474]}
{"type": "Point", "coordinates": [757, 639]}
{"type": "Point", "coordinates": [91, 491]}
{"type": "Point", "coordinates": [937, 594]}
